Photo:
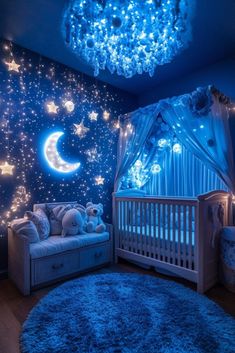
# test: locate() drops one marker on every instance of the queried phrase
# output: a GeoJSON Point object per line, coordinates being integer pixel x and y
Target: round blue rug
{"type": "Point", "coordinates": [126, 313]}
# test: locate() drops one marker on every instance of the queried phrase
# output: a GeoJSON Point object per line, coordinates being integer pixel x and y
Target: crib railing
{"type": "Point", "coordinates": [162, 229]}
{"type": "Point", "coordinates": [180, 235]}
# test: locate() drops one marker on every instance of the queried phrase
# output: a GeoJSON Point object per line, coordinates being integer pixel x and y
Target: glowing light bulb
{"type": "Point", "coordinates": [162, 143]}
{"type": "Point", "coordinates": [138, 163]}
{"type": "Point", "coordinates": [177, 148]}
{"type": "Point", "coordinates": [69, 105]}
{"type": "Point", "coordinates": [156, 168]}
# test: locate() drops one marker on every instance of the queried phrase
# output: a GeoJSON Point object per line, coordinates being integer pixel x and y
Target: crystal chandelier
{"type": "Point", "coordinates": [128, 37]}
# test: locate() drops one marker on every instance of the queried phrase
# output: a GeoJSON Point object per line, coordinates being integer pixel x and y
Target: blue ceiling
{"type": "Point", "coordinates": [36, 25]}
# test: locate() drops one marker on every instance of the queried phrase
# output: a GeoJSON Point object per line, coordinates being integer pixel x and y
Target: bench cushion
{"type": "Point", "coordinates": [57, 244]}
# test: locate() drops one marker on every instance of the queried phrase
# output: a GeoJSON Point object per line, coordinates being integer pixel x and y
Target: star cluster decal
{"type": "Point", "coordinates": [37, 98]}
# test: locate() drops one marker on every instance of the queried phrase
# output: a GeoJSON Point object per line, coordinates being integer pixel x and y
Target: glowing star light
{"type": "Point", "coordinates": [106, 115]}
{"type": "Point", "coordinates": [6, 168]}
{"type": "Point", "coordinates": [13, 66]}
{"type": "Point", "coordinates": [52, 108]}
{"type": "Point", "coordinates": [69, 106]}
{"type": "Point", "coordinates": [81, 130]}
{"type": "Point", "coordinates": [93, 116]}
{"type": "Point", "coordinates": [99, 180]}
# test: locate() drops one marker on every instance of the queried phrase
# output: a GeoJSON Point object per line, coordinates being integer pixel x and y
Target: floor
{"type": "Point", "coordinates": [14, 308]}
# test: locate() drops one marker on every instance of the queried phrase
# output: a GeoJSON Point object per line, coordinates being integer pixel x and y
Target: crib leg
{"type": "Point", "coordinates": [115, 258]}
{"type": "Point", "coordinates": [200, 286]}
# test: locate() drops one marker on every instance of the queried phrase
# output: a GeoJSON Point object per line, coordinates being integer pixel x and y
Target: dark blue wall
{"type": "Point", "coordinates": [25, 123]}
{"type": "Point", "coordinates": [221, 75]}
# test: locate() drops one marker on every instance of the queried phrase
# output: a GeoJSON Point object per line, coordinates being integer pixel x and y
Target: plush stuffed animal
{"type": "Point", "coordinates": [94, 222]}
{"type": "Point", "coordinates": [73, 222]}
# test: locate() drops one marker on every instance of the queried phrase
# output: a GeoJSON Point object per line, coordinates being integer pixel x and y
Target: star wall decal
{"type": "Point", "coordinates": [12, 66]}
{"type": "Point", "coordinates": [81, 130]}
{"type": "Point", "coordinates": [6, 168]}
{"type": "Point", "coordinates": [52, 108]}
{"type": "Point", "coordinates": [99, 180]}
{"type": "Point", "coordinates": [93, 155]}
{"type": "Point", "coordinates": [93, 116]}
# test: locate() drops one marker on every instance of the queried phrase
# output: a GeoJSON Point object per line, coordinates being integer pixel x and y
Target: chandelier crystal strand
{"type": "Point", "coordinates": [128, 37]}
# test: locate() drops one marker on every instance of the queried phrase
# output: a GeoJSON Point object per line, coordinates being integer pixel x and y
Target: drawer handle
{"type": "Point", "coordinates": [98, 254]}
{"type": "Point", "coordinates": [57, 267]}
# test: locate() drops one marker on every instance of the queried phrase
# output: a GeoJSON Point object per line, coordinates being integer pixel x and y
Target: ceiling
{"type": "Point", "coordinates": [36, 25]}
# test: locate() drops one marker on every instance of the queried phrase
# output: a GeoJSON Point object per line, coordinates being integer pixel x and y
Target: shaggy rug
{"type": "Point", "coordinates": [126, 313]}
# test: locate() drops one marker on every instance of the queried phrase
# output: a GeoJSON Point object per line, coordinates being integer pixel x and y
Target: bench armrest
{"type": "Point", "coordinates": [19, 261]}
{"type": "Point", "coordinates": [109, 229]}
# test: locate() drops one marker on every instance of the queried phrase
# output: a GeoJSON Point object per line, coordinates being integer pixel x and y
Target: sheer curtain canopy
{"type": "Point", "coordinates": [200, 122]}
{"type": "Point", "coordinates": [160, 145]}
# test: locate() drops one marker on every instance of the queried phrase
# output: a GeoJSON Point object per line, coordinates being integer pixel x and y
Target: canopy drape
{"type": "Point", "coordinates": [198, 121]}
{"type": "Point", "coordinates": [134, 132]}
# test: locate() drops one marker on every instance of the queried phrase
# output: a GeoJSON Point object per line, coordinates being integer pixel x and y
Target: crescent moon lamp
{"type": "Point", "coordinates": [53, 157]}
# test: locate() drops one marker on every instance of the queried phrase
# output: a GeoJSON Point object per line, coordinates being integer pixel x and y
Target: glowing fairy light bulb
{"type": "Point", "coordinates": [138, 163]}
{"type": "Point", "coordinates": [106, 115]}
{"type": "Point", "coordinates": [117, 125]}
{"type": "Point", "coordinates": [162, 143]}
{"type": "Point", "coordinates": [156, 168]}
{"type": "Point", "coordinates": [69, 106]}
{"type": "Point", "coordinates": [177, 148]}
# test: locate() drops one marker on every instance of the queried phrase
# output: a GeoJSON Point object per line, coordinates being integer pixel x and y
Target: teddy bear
{"type": "Point", "coordinates": [94, 221]}
{"type": "Point", "coordinates": [73, 222]}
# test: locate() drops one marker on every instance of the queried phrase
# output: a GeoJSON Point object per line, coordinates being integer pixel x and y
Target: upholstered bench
{"type": "Point", "coordinates": [33, 265]}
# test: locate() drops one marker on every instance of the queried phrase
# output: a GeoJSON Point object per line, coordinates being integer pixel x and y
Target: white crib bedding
{"type": "Point", "coordinates": [133, 233]}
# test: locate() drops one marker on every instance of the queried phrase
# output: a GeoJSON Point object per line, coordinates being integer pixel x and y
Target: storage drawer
{"type": "Point", "coordinates": [95, 256]}
{"type": "Point", "coordinates": [52, 267]}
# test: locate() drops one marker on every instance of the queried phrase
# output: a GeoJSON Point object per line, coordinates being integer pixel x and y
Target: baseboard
{"type": "Point", "coordinates": [3, 274]}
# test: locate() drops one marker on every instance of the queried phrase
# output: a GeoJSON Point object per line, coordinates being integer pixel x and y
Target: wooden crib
{"type": "Point", "coordinates": [178, 235]}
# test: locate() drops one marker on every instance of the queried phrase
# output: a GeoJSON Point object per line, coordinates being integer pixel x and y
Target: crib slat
{"type": "Point", "coordinates": [163, 231]}
{"type": "Point", "coordinates": [150, 240]}
{"type": "Point", "coordinates": [121, 223]}
{"type": "Point", "coordinates": [184, 236]}
{"type": "Point", "coordinates": [145, 229]}
{"type": "Point", "coordinates": [173, 243]}
{"type": "Point", "coordinates": [125, 225]}
{"type": "Point", "coordinates": [159, 232]}
{"type": "Point", "coordinates": [136, 226]}
{"type": "Point", "coordinates": [141, 228]}
{"type": "Point", "coordinates": [169, 233]}
{"type": "Point", "coordinates": [190, 239]}
{"type": "Point", "coordinates": [179, 236]}
{"type": "Point", "coordinates": [154, 230]}
{"type": "Point", "coordinates": [131, 230]}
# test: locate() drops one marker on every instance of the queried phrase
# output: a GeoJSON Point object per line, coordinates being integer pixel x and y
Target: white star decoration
{"type": "Point", "coordinates": [81, 130]}
{"type": "Point", "coordinates": [6, 168]}
{"type": "Point", "coordinates": [52, 107]}
{"type": "Point", "coordinates": [93, 155]}
{"type": "Point", "coordinates": [12, 66]}
{"type": "Point", "coordinates": [99, 180]}
{"type": "Point", "coordinates": [93, 116]}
